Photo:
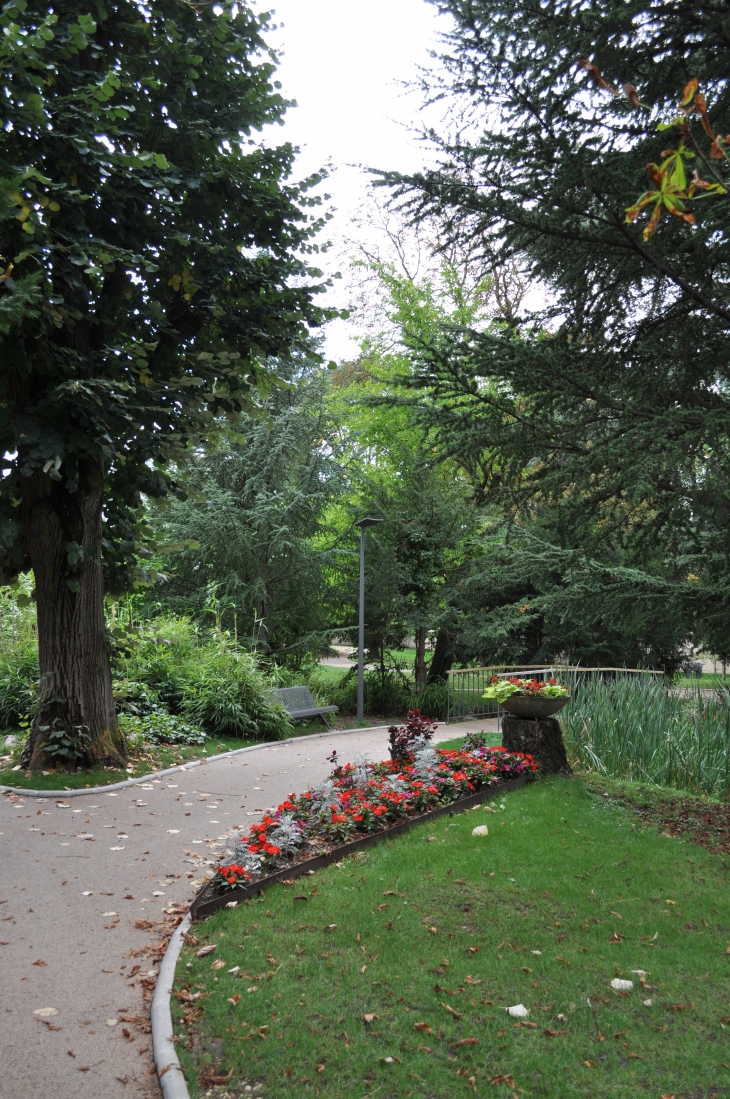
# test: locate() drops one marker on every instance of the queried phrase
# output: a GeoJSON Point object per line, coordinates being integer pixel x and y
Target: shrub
{"type": "Point", "coordinates": [159, 728]}
{"type": "Point", "coordinates": [227, 698]}
{"type": "Point", "coordinates": [405, 740]}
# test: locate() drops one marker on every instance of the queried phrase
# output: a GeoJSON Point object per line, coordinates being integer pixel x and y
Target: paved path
{"type": "Point", "coordinates": [76, 874]}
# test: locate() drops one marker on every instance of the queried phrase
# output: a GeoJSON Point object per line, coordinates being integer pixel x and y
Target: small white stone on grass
{"type": "Point", "coordinates": [621, 986]}
{"type": "Point", "coordinates": [648, 1003]}
{"type": "Point", "coordinates": [518, 1011]}
{"type": "Point", "coordinates": [480, 830]}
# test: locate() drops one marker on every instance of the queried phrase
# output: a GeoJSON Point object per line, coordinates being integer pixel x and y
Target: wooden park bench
{"type": "Point", "coordinates": [298, 702]}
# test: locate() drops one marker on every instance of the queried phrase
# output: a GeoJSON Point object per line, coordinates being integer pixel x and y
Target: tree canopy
{"type": "Point", "coordinates": [155, 256]}
{"type": "Point", "coordinates": [605, 404]}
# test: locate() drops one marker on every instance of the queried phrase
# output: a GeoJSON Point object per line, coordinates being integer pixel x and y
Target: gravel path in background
{"type": "Point", "coordinates": [78, 879]}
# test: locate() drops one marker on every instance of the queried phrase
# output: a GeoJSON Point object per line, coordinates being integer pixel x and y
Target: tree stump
{"type": "Point", "coordinates": [542, 739]}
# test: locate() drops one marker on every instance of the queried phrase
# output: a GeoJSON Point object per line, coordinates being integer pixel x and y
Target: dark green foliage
{"type": "Point", "coordinates": [600, 417]}
{"type": "Point", "coordinates": [160, 261]}
{"type": "Point", "coordinates": [262, 545]}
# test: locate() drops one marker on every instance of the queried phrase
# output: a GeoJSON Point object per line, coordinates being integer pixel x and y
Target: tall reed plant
{"type": "Point", "coordinates": [638, 727]}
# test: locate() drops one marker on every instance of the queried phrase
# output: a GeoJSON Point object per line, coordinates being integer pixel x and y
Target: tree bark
{"type": "Point", "coordinates": [542, 739]}
{"type": "Point", "coordinates": [442, 658]}
{"type": "Point", "coordinates": [62, 532]}
{"type": "Point", "coordinates": [421, 672]}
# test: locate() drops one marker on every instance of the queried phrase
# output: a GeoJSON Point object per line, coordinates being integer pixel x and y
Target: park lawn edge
{"type": "Point", "coordinates": [677, 1045]}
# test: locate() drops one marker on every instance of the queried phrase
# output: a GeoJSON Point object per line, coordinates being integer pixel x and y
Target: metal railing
{"type": "Point", "coordinates": [466, 686]}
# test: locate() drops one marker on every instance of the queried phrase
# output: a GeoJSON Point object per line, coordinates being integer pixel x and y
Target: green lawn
{"type": "Point", "coordinates": [389, 975]}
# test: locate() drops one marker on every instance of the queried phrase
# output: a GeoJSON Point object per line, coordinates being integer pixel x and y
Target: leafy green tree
{"type": "Point", "coordinates": [608, 402]}
{"type": "Point", "coordinates": [261, 539]}
{"type": "Point", "coordinates": [154, 256]}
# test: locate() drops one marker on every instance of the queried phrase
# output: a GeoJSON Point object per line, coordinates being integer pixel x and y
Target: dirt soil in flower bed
{"type": "Point", "coordinates": [706, 823]}
{"type": "Point", "coordinates": [390, 975]}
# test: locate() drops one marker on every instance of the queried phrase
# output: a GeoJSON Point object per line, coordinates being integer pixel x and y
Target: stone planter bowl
{"type": "Point", "coordinates": [527, 706]}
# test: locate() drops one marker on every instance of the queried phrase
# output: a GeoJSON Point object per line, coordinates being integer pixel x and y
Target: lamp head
{"type": "Point", "coordinates": [362, 523]}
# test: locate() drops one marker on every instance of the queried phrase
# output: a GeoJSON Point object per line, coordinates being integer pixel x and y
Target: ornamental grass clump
{"type": "Point", "coordinates": [500, 689]}
{"type": "Point", "coordinates": [361, 798]}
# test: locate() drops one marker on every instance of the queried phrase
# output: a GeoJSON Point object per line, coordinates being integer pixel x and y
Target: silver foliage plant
{"type": "Point", "coordinates": [288, 835]}
{"type": "Point", "coordinates": [237, 852]}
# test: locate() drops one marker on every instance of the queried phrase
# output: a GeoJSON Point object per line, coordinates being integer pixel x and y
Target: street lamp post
{"type": "Point", "coordinates": [362, 524]}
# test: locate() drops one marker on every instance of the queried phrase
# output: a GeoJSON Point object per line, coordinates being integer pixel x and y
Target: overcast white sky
{"type": "Point", "coordinates": [342, 60]}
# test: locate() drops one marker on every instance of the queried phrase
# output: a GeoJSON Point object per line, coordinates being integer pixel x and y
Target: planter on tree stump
{"type": "Point", "coordinates": [542, 739]}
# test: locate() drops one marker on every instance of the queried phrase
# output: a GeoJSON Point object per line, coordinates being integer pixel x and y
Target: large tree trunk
{"type": "Point", "coordinates": [442, 658]}
{"type": "Point", "coordinates": [421, 671]}
{"type": "Point", "coordinates": [62, 532]}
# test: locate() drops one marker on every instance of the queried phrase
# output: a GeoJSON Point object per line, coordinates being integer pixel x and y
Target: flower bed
{"type": "Point", "coordinates": [358, 800]}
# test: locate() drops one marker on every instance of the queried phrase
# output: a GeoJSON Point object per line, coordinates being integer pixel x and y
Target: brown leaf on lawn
{"type": "Point", "coordinates": [452, 1011]}
{"type": "Point", "coordinates": [271, 959]}
{"type": "Point", "coordinates": [301, 897]}
{"type": "Point", "coordinates": [370, 1017]}
{"type": "Point", "coordinates": [635, 1056]}
{"type": "Point", "coordinates": [668, 1095]}
{"type": "Point", "coordinates": [218, 964]}
{"type": "Point", "coordinates": [319, 1068]}
{"type": "Point", "coordinates": [190, 940]}
{"type": "Point", "coordinates": [424, 1049]}
{"type": "Point", "coordinates": [473, 980]}
{"type": "Point", "coordinates": [615, 938]}
{"type": "Point", "coordinates": [590, 1064]}
{"type": "Point", "coordinates": [234, 999]}
{"type": "Point", "coordinates": [465, 1042]}
{"type": "Point", "coordinates": [472, 949]}
{"type": "Point", "coordinates": [527, 1026]}
{"type": "Point", "coordinates": [142, 924]}
{"type": "Point", "coordinates": [553, 1033]}
{"type": "Point", "coordinates": [677, 1007]}
{"type": "Point", "coordinates": [205, 950]}
{"type": "Point", "coordinates": [40, 962]}
{"type": "Point", "coordinates": [423, 1027]}
{"type": "Point", "coordinates": [433, 930]}
{"type": "Point", "coordinates": [391, 893]}
{"type": "Point", "coordinates": [380, 907]}
{"type": "Point", "coordinates": [503, 1080]}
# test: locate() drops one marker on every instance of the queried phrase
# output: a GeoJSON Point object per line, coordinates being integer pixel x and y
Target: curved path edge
{"type": "Point", "coordinates": [169, 1071]}
{"type": "Point", "coordinates": [63, 794]}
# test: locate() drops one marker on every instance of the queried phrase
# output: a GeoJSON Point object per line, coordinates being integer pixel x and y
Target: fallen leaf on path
{"type": "Point", "coordinates": [142, 924]}
{"type": "Point", "coordinates": [70, 1053]}
{"type": "Point", "coordinates": [42, 1012]}
{"type": "Point", "coordinates": [84, 1068]}
{"type": "Point", "coordinates": [40, 962]}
